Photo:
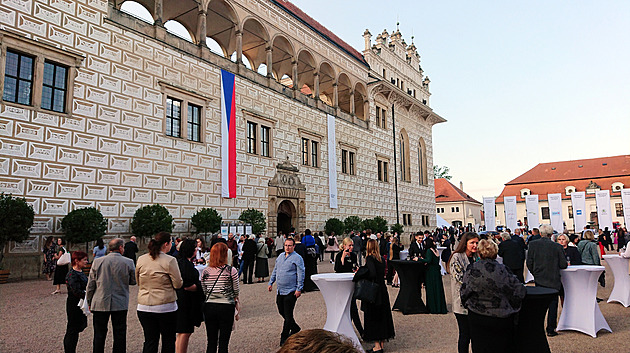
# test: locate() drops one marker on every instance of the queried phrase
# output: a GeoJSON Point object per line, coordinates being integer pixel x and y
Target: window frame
{"type": "Point", "coordinates": [18, 80]}
{"type": "Point", "coordinates": [545, 213]}
{"type": "Point", "coordinates": [264, 129]}
{"type": "Point", "coordinates": [173, 118]}
{"type": "Point", "coordinates": [310, 158]}
{"type": "Point", "coordinates": [191, 124]}
{"type": "Point", "coordinates": [56, 66]}
{"type": "Point", "coordinates": [619, 209]}
{"type": "Point", "coordinates": [187, 98]}
{"type": "Point", "coordinates": [382, 163]}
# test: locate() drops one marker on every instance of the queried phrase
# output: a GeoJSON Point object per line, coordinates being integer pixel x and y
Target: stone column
{"type": "Point", "coordinates": [335, 95]}
{"type": "Point", "coordinates": [352, 103]}
{"type": "Point", "coordinates": [269, 51]}
{"type": "Point", "coordinates": [158, 13]}
{"type": "Point", "coordinates": [316, 85]}
{"type": "Point", "coordinates": [201, 27]}
{"type": "Point", "coordinates": [239, 47]}
{"type": "Point", "coordinates": [295, 78]}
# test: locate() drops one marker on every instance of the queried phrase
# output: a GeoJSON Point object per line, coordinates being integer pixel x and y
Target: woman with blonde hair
{"type": "Point", "coordinates": [378, 322]}
{"type": "Point", "coordinates": [346, 262]}
{"type": "Point", "coordinates": [220, 286]}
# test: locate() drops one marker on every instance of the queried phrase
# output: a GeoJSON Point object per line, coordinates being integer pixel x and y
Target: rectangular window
{"type": "Point", "coordinates": [351, 162]}
{"type": "Point", "coordinates": [570, 211]}
{"type": "Point", "coordinates": [54, 87]}
{"type": "Point", "coordinates": [314, 153]}
{"type": "Point", "coordinates": [438, 210]}
{"type": "Point", "coordinates": [619, 209]}
{"type": "Point", "coordinates": [456, 209]}
{"type": "Point", "coordinates": [251, 137]}
{"type": "Point", "coordinates": [380, 170]}
{"type": "Point", "coordinates": [305, 151]}
{"type": "Point", "coordinates": [264, 140]}
{"type": "Point", "coordinates": [18, 78]}
{"type": "Point", "coordinates": [194, 122]}
{"type": "Point", "coordinates": [310, 148]}
{"type": "Point", "coordinates": [173, 117]}
{"type": "Point", "coordinates": [385, 170]}
{"type": "Point", "coordinates": [544, 212]}
{"type": "Point", "coordinates": [409, 223]}
{"type": "Point", "coordinates": [344, 161]}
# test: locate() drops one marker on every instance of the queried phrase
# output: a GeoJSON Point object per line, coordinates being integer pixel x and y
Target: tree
{"type": "Point", "coordinates": [376, 224]}
{"type": "Point", "coordinates": [397, 228]}
{"type": "Point", "coordinates": [441, 172]}
{"type": "Point", "coordinates": [353, 223]}
{"type": "Point", "coordinates": [334, 225]}
{"type": "Point", "coordinates": [150, 220]}
{"type": "Point", "coordinates": [84, 225]}
{"type": "Point", "coordinates": [206, 220]}
{"type": "Point", "coordinates": [255, 218]}
{"type": "Point", "coordinates": [16, 220]}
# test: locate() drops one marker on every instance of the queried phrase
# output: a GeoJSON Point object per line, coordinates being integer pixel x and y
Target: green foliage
{"type": "Point", "coordinates": [255, 218]}
{"type": "Point", "coordinates": [376, 224]}
{"type": "Point", "coordinates": [353, 223]}
{"type": "Point", "coordinates": [397, 228]}
{"type": "Point", "coordinates": [207, 220]}
{"type": "Point", "coordinates": [16, 219]}
{"type": "Point", "coordinates": [441, 172]}
{"type": "Point", "coordinates": [150, 220]}
{"type": "Point", "coordinates": [334, 225]}
{"type": "Point", "coordinates": [84, 225]}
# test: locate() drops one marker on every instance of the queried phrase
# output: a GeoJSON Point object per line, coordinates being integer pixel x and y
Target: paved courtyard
{"type": "Point", "coordinates": [32, 320]}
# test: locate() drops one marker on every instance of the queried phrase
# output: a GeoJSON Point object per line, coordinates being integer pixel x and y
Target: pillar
{"type": "Point", "coordinates": [295, 76]}
{"type": "Point", "coordinates": [201, 27]}
{"type": "Point", "coordinates": [239, 47]}
{"type": "Point", "coordinates": [352, 103]}
{"type": "Point", "coordinates": [316, 85]}
{"type": "Point", "coordinates": [158, 13]}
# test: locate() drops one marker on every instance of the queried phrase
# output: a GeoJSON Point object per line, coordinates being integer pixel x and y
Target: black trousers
{"type": "Point", "coordinates": [518, 272]}
{"type": "Point", "coordinates": [219, 319]}
{"type": "Point", "coordinates": [119, 328]}
{"type": "Point", "coordinates": [463, 340]}
{"type": "Point", "coordinates": [483, 331]}
{"type": "Point", "coordinates": [390, 272]}
{"type": "Point", "coordinates": [286, 304]}
{"type": "Point", "coordinates": [552, 313]}
{"type": "Point", "coordinates": [248, 270]}
{"type": "Point", "coordinates": [77, 322]}
{"type": "Point", "coordinates": [155, 325]}
{"type": "Point", "coordinates": [354, 314]}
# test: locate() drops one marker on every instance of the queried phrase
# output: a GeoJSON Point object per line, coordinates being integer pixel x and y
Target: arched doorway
{"type": "Point", "coordinates": [286, 215]}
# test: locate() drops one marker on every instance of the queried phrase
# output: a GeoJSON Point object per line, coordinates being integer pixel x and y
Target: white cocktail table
{"type": "Point", "coordinates": [580, 311]}
{"type": "Point", "coordinates": [621, 288]}
{"type": "Point", "coordinates": [337, 289]}
{"type": "Point", "coordinates": [442, 269]}
{"type": "Point", "coordinates": [200, 268]}
{"type": "Point", "coordinates": [404, 254]}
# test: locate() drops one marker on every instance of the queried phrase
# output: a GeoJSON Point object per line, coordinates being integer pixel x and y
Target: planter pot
{"type": "Point", "coordinates": [87, 268]}
{"type": "Point", "coordinates": [4, 276]}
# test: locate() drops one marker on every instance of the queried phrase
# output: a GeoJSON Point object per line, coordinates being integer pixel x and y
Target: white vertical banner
{"type": "Point", "coordinates": [332, 162]}
{"type": "Point", "coordinates": [578, 202]}
{"type": "Point", "coordinates": [555, 212]}
{"type": "Point", "coordinates": [531, 203]}
{"type": "Point", "coordinates": [509, 203]}
{"type": "Point", "coordinates": [488, 213]}
{"type": "Point", "coordinates": [625, 200]}
{"type": "Point", "coordinates": [604, 213]}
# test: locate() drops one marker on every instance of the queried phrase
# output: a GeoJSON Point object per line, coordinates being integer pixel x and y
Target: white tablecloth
{"type": "Point", "coordinates": [337, 289]}
{"type": "Point", "coordinates": [621, 289]}
{"type": "Point", "coordinates": [580, 311]}
{"type": "Point", "coordinates": [200, 268]}
{"type": "Point", "coordinates": [442, 269]}
{"type": "Point", "coordinates": [404, 254]}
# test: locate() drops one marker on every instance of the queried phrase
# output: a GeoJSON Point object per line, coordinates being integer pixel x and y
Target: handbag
{"type": "Point", "coordinates": [83, 305]}
{"type": "Point", "coordinates": [64, 259]}
{"type": "Point", "coordinates": [368, 291]}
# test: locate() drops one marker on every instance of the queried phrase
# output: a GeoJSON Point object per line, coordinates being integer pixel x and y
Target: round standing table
{"type": "Point", "coordinates": [530, 330]}
{"type": "Point", "coordinates": [200, 268]}
{"type": "Point", "coordinates": [409, 299]}
{"type": "Point", "coordinates": [337, 289]}
{"type": "Point", "coordinates": [621, 289]}
{"type": "Point", "coordinates": [442, 269]}
{"type": "Point", "coordinates": [580, 311]}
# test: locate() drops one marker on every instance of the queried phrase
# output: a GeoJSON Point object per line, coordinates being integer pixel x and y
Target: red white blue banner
{"type": "Point", "coordinates": [228, 134]}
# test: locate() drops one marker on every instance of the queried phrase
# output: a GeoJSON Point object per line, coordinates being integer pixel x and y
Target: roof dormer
{"type": "Point", "coordinates": [617, 187]}
{"type": "Point", "coordinates": [569, 189]}
{"type": "Point", "coordinates": [525, 192]}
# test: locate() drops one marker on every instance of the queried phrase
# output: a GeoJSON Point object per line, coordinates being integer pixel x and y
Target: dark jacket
{"type": "Point", "coordinates": [415, 250]}
{"type": "Point", "coordinates": [545, 259]}
{"type": "Point", "coordinates": [249, 250]}
{"type": "Point", "coordinates": [573, 255]}
{"type": "Point", "coordinates": [512, 253]}
{"type": "Point", "coordinates": [131, 249]}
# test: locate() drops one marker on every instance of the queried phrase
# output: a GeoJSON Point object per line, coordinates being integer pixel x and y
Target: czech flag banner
{"type": "Point", "coordinates": [228, 135]}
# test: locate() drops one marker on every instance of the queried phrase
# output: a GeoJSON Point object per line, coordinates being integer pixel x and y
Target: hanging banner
{"type": "Point", "coordinates": [604, 214]}
{"type": "Point", "coordinates": [509, 203]}
{"type": "Point", "coordinates": [228, 135]}
{"type": "Point", "coordinates": [531, 203]}
{"type": "Point", "coordinates": [555, 212]}
{"type": "Point", "coordinates": [489, 213]}
{"type": "Point", "coordinates": [332, 162]}
{"type": "Point", "coordinates": [625, 200]}
{"type": "Point", "coordinates": [578, 201]}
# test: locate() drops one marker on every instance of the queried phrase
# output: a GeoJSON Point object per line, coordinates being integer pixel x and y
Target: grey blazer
{"type": "Point", "coordinates": [108, 283]}
{"type": "Point", "coordinates": [458, 264]}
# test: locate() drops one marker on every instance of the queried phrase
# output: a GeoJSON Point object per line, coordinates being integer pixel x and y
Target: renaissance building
{"type": "Point", "coordinates": [103, 109]}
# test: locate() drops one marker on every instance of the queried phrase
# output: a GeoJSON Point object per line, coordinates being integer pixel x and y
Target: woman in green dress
{"type": "Point", "coordinates": [436, 302]}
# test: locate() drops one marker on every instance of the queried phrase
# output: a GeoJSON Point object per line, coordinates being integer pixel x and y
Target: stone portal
{"type": "Point", "coordinates": [287, 208]}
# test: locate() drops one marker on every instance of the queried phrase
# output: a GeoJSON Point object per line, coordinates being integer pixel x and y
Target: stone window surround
{"type": "Point", "coordinates": [186, 96]}
{"type": "Point", "coordinates": [311, 137]}
{"type": "Point", "coordinates": [344, 146]}
{"type": "Point", "coordinates": [41, 52]}
{"type": "Point", "coordinates": [384, 177]}
{"type": "Point", "coordinates": [260, 120]}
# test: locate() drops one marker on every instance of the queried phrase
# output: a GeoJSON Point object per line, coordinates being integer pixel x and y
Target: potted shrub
{"type": "Point", "coordinates": [150, 220]}
{"type": "Point", "coordinates": [376, 224]}
{"type": "Point", "coordinates": [206, 220]}
{"type": "Point", "coordinates": [255, 218]}
{"type": "Point", "coordinates": [84, 225]}
{"type": "Point", "coordinates": [16, 220]}
{"type": "Point", "coordinates": [334, 225]}
{"type": "Point", "coordinates": [353, 223]}
{"type": "Point", "coordinates": [397, 228]}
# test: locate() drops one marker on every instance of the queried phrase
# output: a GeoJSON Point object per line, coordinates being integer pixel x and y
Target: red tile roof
{"type": "Point", "coordinates": [317, 27]}
{"type": "Point", "coordinates": [447, 192]}
{"type": "Point", "coordinates": [549, 178]}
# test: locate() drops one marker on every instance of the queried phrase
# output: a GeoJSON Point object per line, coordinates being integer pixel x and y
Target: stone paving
{"type": "Point", "coordinates": [32, 320]}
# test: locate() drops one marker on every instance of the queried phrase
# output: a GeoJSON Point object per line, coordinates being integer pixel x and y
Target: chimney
{"type": "Point", "coordinates": [461, 186]}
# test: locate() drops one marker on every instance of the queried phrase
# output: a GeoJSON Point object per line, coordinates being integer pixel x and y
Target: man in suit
{"type": "Point", "coordinates": [249, 256]}
{"type": "Point", "coordinates": [131, 249]}
{"type": "Point", "coordinates": [107, 293]}
{"type": "Point", "coordinates": [545, 259]}
{"type": "Point", "coordinates": [356, 239]}
{"type": "Point", "coordinates": [535, 235]}
{"type": "Point", "coordinates": [416, 249]}
{"type": "Point", "coordinates": [513, 255]}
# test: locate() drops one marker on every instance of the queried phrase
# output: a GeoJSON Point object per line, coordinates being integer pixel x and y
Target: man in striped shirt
{"type": "Point", "coordinates": [289, 273]}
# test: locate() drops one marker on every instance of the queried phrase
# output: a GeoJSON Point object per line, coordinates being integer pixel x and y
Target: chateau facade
{"type": "Point", "coordinates": [102, 109]}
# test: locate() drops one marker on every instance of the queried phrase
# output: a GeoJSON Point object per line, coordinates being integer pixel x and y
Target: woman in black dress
{"type": "Point", "coordinates": [49, 258]}
{"type": "Point", "coordinates": [77, 321]}
{"type": "Point", "coordinates": [189, 296]}
{"type": "Point", "coordinates": [378, 322]}
{"type": "Point", "coordinates": [60, 270]}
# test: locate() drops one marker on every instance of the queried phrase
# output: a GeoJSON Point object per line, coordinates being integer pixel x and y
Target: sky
{"type": "Point", "coordinates": [519, 82]}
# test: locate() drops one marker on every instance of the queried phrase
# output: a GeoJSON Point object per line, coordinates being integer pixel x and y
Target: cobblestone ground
{"type": "Point", "coordinates": [32, 320]}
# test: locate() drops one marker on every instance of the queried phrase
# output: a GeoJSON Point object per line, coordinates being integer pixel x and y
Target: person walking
{"type": "Point", "coordinates": [61, 271]}
{"type": "Point", "coordinates": [289, 273]}
{"type": "Point", "coordinates": [49, 251]}
{"type": "Point", "coordinates": [249, 257]}
{"type": "Point", "coordinates": [332, 246]}
{"type": "Point", "coordinates": [131, 249]}
{"type": "Point", "coordinates": [108, 296]}
{"type": "Point", "coordinates": [279, 243]}
{"type": "Point", "coordinates": [158, 276]}
{"type": "Point", "coordinates": [76, 282]}
{"type": "Point", "coordinates": [310, 261]}
{"type": "Point", "coordinates": [220, 287]}
{"type": "Point", "coordinates": [356, 241]}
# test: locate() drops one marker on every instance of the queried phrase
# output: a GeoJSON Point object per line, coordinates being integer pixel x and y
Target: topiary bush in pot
{"type": "Point", "coordinates": [16, 220]}
{"type": "Point", "coordinates": [206, 220]}
{"type": "Point", "coordinates": [150, 220]}
{"type": "Point", "coordinates": [255, 218]}
{"type": "Point", "coordinates": [84, 225]}
{"type": "Point", "coordinates": [334, 225]}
